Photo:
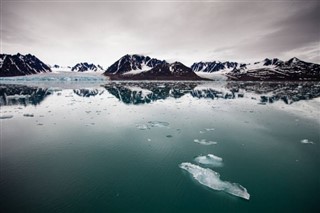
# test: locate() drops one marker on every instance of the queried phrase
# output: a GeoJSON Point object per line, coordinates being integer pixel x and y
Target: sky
{"type": "Point", "coordinates": [101, 31]}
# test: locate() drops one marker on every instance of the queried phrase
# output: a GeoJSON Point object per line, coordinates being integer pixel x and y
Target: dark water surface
{"type": "Point", "coordinates": [118, 147]}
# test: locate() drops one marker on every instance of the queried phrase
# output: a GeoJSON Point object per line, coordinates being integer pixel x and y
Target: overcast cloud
{"type": "Point", "coordinates": [68, 32]}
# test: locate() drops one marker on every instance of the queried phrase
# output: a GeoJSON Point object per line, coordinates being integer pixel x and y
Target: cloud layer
{"type": "Point", "coordinates": [66, 33]}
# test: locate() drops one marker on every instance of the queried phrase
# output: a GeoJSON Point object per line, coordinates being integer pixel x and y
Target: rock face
{"type": "Point", "coordinates": [83, 67]}
{"type": "Point", "coordinates": [133, 64]}
{"type": "Point", "coordinates": [19, 65]}
{"type": "Point", "coordinates": [215, 66]}
{"type": "Point", "coordinates": [137, 67]}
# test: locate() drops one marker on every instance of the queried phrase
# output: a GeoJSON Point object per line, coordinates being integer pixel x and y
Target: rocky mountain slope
{"type": "Point", "coordinates": [19, 65]}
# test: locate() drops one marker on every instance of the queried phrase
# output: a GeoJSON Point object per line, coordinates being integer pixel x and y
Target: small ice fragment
{"type": "Point", "coordinates": [212, 180]}
{"type": "Point", "coordinates": [306, 141]}
{"type": "Point", "coordinates": [6, 116]}
{"type": "Point", "coordinates": [142, 126]}
{"type": "Point", "coordinates": [149, 139]}
{"type": "Point", "coordinates": [210, 160]}
{"type": "Point", "coordinates": [209, 129]}
{"type": "Point", "coordinates": [204, 142]}
{"type": "Point", "coordinates": [158, 123]}
{"type": "Point", "coordinates": [201, 132]}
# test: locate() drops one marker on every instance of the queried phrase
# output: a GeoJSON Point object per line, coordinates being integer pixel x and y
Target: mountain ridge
{"type": "Point", "coordinates": [141, 67]}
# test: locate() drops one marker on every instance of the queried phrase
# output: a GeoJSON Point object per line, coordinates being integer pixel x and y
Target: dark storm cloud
{"type": "Point", "coordinates": [101, 32]}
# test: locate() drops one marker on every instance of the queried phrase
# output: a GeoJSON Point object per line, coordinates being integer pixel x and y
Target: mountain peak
{"type": "Point", "coordinates": [294, 60]}
{"type": "Point", "coordinates": [19, 65]}
{"type": "Point", "coordinates": [134, 62]}
{"type": "Point", "coordinates": [85, 66]}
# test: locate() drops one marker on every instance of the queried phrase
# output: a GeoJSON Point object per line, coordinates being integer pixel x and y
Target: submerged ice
{"type": "Point", "coordinates": [212, 180]}
{"type": "Point", "coordinates": [209, 160]}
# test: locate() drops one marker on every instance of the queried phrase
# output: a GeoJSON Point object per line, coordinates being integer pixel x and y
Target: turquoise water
{"type": "Point", "coordinates": [118, 147]}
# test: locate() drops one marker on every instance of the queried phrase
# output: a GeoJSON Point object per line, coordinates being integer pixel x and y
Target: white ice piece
{"type": "Point", "coordinates": [211, 179]}
{"type": "Point", "coordinates": [204, 142]}
{"type": "Point", "coordinates": [209, 160]}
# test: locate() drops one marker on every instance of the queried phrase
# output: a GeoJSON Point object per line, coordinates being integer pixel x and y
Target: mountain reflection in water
{"type": "Point", "coordinates": [147, 92]}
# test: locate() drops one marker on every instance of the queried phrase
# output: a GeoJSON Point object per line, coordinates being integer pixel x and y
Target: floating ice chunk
{"type": "Point", "coordinates": [210, 160]}
{"type": "Point", "coordinates": [306, 141]}
{"type": "Point", "coordinates": [142, 126]}
{"type": "Point", "coordinates": [212, 180]}
{"type": "Point", "coordinates": [152, 124]}
{"type": "Point", "coordinates": [209, 129]}
{"type": "Point", "coordinates": [6, 116]}
{"type": "Point", "coordinates": [204, 142]}
{"type": "Point", "coordinates": [158, 123]}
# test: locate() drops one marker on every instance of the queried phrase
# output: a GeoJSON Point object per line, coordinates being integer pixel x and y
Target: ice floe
{"type": "Point", "coordinates": [306, 141]}
{"type": "Point", "coordinates": [204, 142]}
{"type": "Point", "coordinates": [212, 180]}
{"type": "Point", "coordinates": [209, 160]}
{"type": "Point", "coordinates": [142, 126]}
{"type": "Point", "coordinates": [158, 124]}
{"type": "Point", "coordinates": [152, 124]}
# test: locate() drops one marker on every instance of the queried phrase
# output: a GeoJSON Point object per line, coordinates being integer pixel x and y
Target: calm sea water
{"type": "Point", "coordinates": [157, 146]}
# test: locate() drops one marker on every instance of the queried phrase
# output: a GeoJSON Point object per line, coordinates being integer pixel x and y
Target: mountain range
{"type": "Point", "coordinates": [79, 67]}
{"type": "Point", "coordinates": [140, 67]}
{"type": "Point", "coordinates": [268, 69]}
{"type": "Point", "coordinates": [84, 67]}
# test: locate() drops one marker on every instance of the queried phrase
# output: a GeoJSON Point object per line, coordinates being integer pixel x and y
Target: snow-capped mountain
{"type": "Point", "coordinates": [18, 65]}
{"type": "Point", "coordinates": [84, 67]}
{"type": "Point", "coordinates": [215, 66]}
{"type": "Point", "coordinates": [163, 71]}
{"type": "Point", "coordinates": [58, 68]}
{"type": "Point", "coordinates": [267, 69]}
{"type": "Point", "coordinates": [139, 67]}
{"type": "Point", "coordinates": [132, 64]}
{"type": "Point", "coordinates": [275, 69]}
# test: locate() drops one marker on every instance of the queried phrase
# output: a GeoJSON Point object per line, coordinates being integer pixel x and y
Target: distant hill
{"type": "Point", "coordinates": [84, 67]}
